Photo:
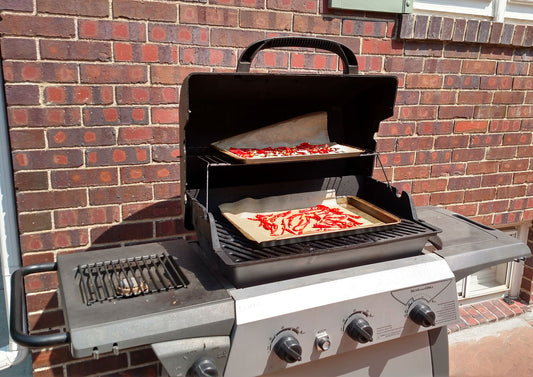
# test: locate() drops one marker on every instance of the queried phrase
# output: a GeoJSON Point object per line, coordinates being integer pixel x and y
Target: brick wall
{"type": "Point", "coordinates": [92, 92]}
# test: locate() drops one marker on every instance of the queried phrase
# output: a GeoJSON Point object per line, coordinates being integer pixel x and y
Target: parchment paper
{"type": "Point", "coordinates": [240, 212]}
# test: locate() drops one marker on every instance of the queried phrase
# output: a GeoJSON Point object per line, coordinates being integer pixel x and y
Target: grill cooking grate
{"type": "Point", "coordinates": [240, 249]}
{"type": "Point", "coordinates": [116, 279]}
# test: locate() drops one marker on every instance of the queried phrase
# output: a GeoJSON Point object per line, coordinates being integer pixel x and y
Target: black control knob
{"type": "Point", "coordinates": [288, 349]}
{"type": "Point", "coordinates": [359, 329]}
{"type": "Point", "coordinates": [421, 314]}
{"type": "Point", "coordinates": [203, 367]}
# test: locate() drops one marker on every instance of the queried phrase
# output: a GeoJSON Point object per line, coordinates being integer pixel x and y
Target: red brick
{"type": "Point", "coordinates": [499, 153]}
{"type": "Point", "coordinates": [462, 82]}
{"type": "Point", "coordinates": [500, 179]}
{"type": "Point", "coordinates": [22, 95]}
{"type": "Point", "coordinates": [470, 126]}
{"type": "Point", "coordinates": [395, 159]}
{"type": "Point", "coordinates": [122, 232]}
{"type": "Point", "coordinates": [517, 139]}
{"type": "Point", "coordinates": [482, 67]}
{"type": "Point", "coordinates": [94, 8]}
{"type": "Point", "coordinates": [18, 48]}
{"type": "Point", "coordinates": [315, 24]}
{"type": "Point", "coordinates": [404, 173]}
{"type": "Point", "coordinates": [381, 47]}
{"type": "Point", "coordinates": [479, 140]}
{"type": "Point", "coordinates": [139, 10]}
{"type": "Point", "coordinates": [30, 181]}
{"type": "Point", "coordinates": [504, 125]}
{"type": "Point", "coordinates": [166, 153]}
{"type": "Point", "coordinates": [520, 111]}
{"type": "Point", "coordinates": [111, 30]}
{"type": "Point", "coordinates": [96, 116]}
{"type": "Point", "coordinates": [414, 143]}
{"type": "Point", "coordinates": [417, 112]}
{"type": "Point", "coordinates": [496, 82]}
{"type": "Point", "coordinates": [59, 138]}
{"type": "Point", "coordinates": [240, 3]}
{"type": "Point", "coordinates": [425, 81]}
{"type": "Point", "coordinates": [510, 192]}
{"type": "Point", "coordinates": [297, 6]}
{"type": "Point", "coordinates": [455, 111]}
{"type": "Point", "coordinates": [434, 128]}
{"type": "Point", "coordinates": [127, 95]}
{"type": "Point", "coordinates": [45, 320]}
{"type": "Point", "coordinates": [235, 38]}
{"type": "Point", "coordinates": [396, 129]}
{"type": "Point", "coordinates": [483, 167]}
{"type": "Point", "coordinates": [432, 157]}
{"type": "Point", "coordinates": [50, 357]}
{"type": "Point", "coordinates": [514, 165]}
{"type": "Point", "coordinates": [17, 25]}
{"type": "Point", "coordinates": [41, 282]}
{"type": "Point", "coordinates": [207, 15]}
{"type": "Point", "coordinates": [117, 156]}
{"type": "Point", "coordinates": [442, 198]}
{"type": "Point", "coordinates": [119, 195]}
{"type": "Point", "coordinates": [429, 185]}
{"type": "Point", "coordinates": [35, 201]}
{"type": "Point", "coordinates": [84, 177]}
{"type": "Point", "coordinates": [165, 135]}
{"type": "Point", "coordinates": [473, 97]}
{"type": "Point", "coordinates": [522, 83]}
{"type": "Point", "coordinates": [471, 154]}
{"type": "Point", "coordinates": [43, 117]}
{"type": "Point", "coordinates": [134, 135]}
{"type": "Point", "coordinates": [443, 97]}
{"type": "Point", "coordinates": [151, 210]}
{"type": "Point", "coordinates": [182, 34]}
{"type": "Point", "coordinates": [47, 159]}
{"type": "Point", "coordinates": [150, 173]}
{"type": "Point", "coordinates": [265, 20]}
{"type": "Point", "coordinates": [113, 74]}
{"type": "Point", "coordinates": [172, 75]}
{"type": "Point", "coordinates": [17, 5]}
{"type": "Point", "coordinates": [86, 216]}
{"type": "Point", "coordinates": [168, 228]}
{"type": "Point", "coordinates": [407, 97]}
{"type": "Point", "coordinates": [462, 183]}
{"type": "Point", "coordinates": [33, 222]}
{"type": "Point", "coordinates": [364, 28]}
{"type": "Point", "coordinates": [163, 191]}
{"type": "Point", "coordinates": [165, 115]}
{"type": "Point", "coordinates": [489, 112]}
{"type": "Point", "coordinates": [463, 209]}
{"type": "Point", "coordinates": [27, 139]}
{"type": "Point", "coordinates": [207, 56]}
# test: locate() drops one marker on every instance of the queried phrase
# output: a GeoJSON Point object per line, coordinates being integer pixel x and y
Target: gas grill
{"type": "Point", "coordinates": [372, 301]}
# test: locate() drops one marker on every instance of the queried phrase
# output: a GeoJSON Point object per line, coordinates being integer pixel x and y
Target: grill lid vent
{"type": "Point", "coordinates": [123, 278]}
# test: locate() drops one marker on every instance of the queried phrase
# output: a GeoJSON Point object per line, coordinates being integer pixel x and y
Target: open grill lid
{"type": "Point", "coordinates": [215, 106]}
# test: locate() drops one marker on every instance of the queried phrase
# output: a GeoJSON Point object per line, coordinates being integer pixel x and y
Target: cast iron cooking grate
{"type": "Point", "coordinates": [129, 277]}
{"type": "Point", "coordinates": [240, 249]}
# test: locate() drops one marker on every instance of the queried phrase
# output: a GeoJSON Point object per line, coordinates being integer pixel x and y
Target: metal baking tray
{"type": "Point", "coordinates": [242, 215]}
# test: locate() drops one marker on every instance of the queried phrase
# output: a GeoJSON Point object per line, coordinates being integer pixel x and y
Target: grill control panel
{"type": "Point", "coordinates": [288, 323]}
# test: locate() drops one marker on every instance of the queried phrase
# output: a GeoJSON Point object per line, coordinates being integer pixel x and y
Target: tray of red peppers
{"type": "Point", "coordinates": [307, 216]}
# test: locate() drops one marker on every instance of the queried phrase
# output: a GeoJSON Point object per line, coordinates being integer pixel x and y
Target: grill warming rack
{"type": "Point", "coordinates": [128, 277]}
{"type": "Point", "coordinates": [215, 160]}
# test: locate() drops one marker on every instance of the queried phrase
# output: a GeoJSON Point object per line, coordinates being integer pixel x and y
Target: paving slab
{"type": "Point", "coordinates": [503, 348]}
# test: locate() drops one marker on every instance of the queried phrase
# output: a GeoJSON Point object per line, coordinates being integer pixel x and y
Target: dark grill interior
{"type": "Point", "coordinates": [241, 249]}
{"type": "Point", "coordinates": [116, 279]}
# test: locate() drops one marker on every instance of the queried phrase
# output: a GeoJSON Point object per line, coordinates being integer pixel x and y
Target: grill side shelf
{"type": "Point", "coordinates": [124, 278]}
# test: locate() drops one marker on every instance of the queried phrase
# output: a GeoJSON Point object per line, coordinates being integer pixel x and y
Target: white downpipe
{"type": "Point", "coordinates": [12, 354]}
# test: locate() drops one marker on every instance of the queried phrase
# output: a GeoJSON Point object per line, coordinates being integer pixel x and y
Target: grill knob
{"type": "Point", "coordinates": [421, 314]}
{"type": "Point", "coordinates": [288, 349]}
{"type": "Point", "coordinates": [359, 329]}
{"type": "Point", "coordinates": [203, 367]}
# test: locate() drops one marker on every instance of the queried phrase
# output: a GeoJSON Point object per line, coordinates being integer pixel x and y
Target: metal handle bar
{"type": "Point", "coordinates": [349, 61]}
{"type": "Point", "coordinates": [17, 321]}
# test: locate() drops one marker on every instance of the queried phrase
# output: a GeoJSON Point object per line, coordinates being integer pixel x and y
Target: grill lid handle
{"type": "Point", "coordinates": [17, 313]}
{"type": "Point", "coordinates": [349, 61]}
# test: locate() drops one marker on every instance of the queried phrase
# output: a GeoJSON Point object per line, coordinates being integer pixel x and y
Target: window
{"type": "Point", "coordinates": [495, 280]}
{"type": "Point", "coordinates": [516, 11]}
